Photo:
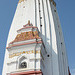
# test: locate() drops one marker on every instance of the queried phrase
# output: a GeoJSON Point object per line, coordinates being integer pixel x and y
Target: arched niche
{"type": "Point", "coordinates": [22, 62]}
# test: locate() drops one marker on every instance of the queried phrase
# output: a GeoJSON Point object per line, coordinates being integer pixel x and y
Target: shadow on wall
{"type": "Point", "coordinates": [50, 58]}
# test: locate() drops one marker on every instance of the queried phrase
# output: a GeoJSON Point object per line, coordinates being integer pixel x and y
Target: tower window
{"type": "Point", "coordinates": [41, 25]}
{"type": "Point", "coordinates": [23, 65]}
{"type": "Point", "coordinates": [39, 10]}
{"type": "Point", "coordinates": [40, 17]}
{"type": "Point", "coordinates": [54, 10]}
{"type": "Point", "coordinates": [47, 55]}
{"type": "Point", "coordinates": [61, 43]}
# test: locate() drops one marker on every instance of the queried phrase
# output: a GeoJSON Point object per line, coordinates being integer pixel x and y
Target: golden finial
{"type": "Point", "coordinates": [29, 22]}
{"type": "Point", "coordinates": [21, 1]}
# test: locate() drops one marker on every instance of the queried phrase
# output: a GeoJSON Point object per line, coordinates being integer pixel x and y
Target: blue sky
{"type": "Point", "coordinates": [66, 12]}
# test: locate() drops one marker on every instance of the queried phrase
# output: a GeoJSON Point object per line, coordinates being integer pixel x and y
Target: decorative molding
{"type": "Point", "coordinates": [9, 63]}
{"type": "Point", "coordinates": [26, 28]}
{"type": "Point", "coordinates": [24, 52]}
{"type": "Point", "coordinates": [25, 36]}
{"type": "Point", "coordinates": [23, 44]}
{"type": "Point", "coordinates": [32, 59]}
{"type": "Point", "coordinates": [28, 73]}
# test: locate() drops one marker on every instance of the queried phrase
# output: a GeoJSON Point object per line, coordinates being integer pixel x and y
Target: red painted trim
{"type": "Point", "coordinates": [24, 44]}
{"type": "Point", "coordinates": [11, 42]}
{"type": "Point", "coordinates": [25, 40]}
{"type": "Point", "coordinates": [27, 27]}
{"type": "Point", "coordinates": [28, 73]}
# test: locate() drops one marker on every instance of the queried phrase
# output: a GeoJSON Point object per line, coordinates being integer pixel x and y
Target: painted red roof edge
{"type": "Point", "coordinates": [26, 27]}
{"type": "Point", "coordinates": [23, 44]}
{"type": "Point", "coordinates": [27, 73]}
{"type": "Point", "coordinates": [23, 40]}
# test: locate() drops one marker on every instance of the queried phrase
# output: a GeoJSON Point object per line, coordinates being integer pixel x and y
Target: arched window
{"type": "Point", "coordinates": [22, 62]}
{"type": "Point", "coordinates": [23, 65]}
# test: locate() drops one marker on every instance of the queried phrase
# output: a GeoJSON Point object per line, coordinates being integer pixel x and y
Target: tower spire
{"type": "Point", "coordinates": [23, 52]}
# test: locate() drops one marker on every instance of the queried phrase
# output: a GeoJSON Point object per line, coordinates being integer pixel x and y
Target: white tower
{"type": "Point", "coordinates": [36, 48]}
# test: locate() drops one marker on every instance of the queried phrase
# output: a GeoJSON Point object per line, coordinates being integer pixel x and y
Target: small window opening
{"type": "Point", "coordinates": [61, 43]}
{"type": "Point", "coordinates": [40, 17]}
{"type": "Point", "coordinates": [54, 10]}
{"type": "Point", "coordinates": [23, 65]}
{"type": "Point", "coordinates": [48, 55]}
{"type": "Point", "coordinates": [39, 10]}
{"type": "Point", "coordinates": [41, 25]}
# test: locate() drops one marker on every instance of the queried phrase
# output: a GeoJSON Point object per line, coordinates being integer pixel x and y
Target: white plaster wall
{"type": "Point", "coordinates": [63, 64]}
{"type": "Point", "coordinates": [13, 67]}
{"type": "Point", "coordinates": [22, 15]}
{"type": "Point", "coordinates": [51, 63]}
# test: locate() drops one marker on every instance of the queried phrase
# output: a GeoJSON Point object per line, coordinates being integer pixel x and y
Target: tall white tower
{"type": "Point", "coordinates": [35, 48]}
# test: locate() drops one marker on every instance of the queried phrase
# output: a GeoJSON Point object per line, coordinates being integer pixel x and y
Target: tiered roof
{"type": "Point", "coordinates": [26, 35]}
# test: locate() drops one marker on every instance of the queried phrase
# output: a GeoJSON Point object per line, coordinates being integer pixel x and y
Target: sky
{"type": "Point", "coordinates": [66, 12]}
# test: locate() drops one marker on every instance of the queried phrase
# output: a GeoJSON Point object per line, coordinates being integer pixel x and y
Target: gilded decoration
{"type": "Point", "coordinates": [53, 2]}
{"type": "Point", "coordinates": [24, 52]}
{"type": "Point", "coordinates": [21, 1]}
{"type": "Point", "coordinates": [26, 36]}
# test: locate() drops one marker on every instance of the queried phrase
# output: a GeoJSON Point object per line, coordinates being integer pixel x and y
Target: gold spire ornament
{"type": "Point", "coordinates": [29, 22]}
{"type": "Point", "coordinates": [21, 1]}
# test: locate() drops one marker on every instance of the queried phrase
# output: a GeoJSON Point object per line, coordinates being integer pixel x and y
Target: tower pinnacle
{"type": "Point", "coordinates": [21, 1]}
{"type": "Point", "coordinates": [29, 22]}
{"type": "Point", "coordinates": [36, 47]}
